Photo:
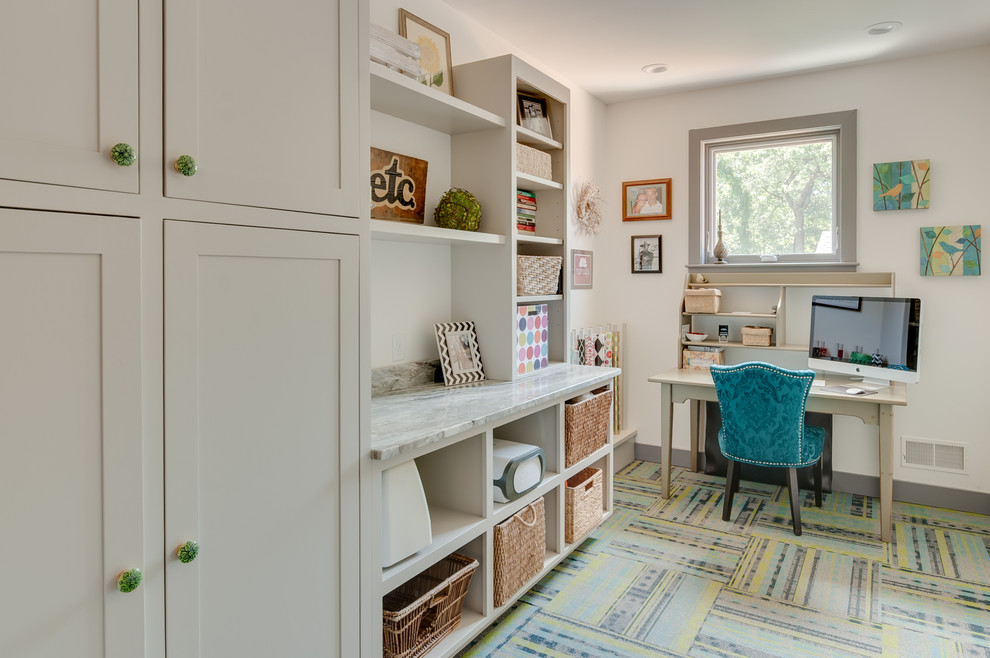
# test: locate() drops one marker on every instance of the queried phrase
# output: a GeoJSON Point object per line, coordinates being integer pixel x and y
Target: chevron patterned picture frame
{"type": "Point", "coordinates": [460, 357]}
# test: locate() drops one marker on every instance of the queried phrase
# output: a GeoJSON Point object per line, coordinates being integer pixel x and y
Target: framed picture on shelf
{"type": "Point", "coordinates": [646, 256]}
{"type": "Point", "coordinates": [646, 199]}
{"type": "Point", "coordinates": [434, 47]}
{"type": "Point", "coordinates": [533, 114]}
{"type": "Point", "coordinates": [582, 269]}
{"type": "Point", "coordinates": [460, 357]}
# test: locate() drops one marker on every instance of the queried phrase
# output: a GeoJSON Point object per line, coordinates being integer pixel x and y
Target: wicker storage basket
{"type": "Point", "coordinates": [756, 336]}
{"type": "Point", "coordinates": [694, 360]}
{"type": "Point", "coordinates": [519, 549]}
{"type": "Point", "coordinates": [582, 503]}
{"type": "Point", "coordinates": [702, 300]}
{"type": "Point", "coordinates": [537, 275]}
{"type": "Point", "coordinates": [533, 162]}
{"type": "Point", "coordinates": [419, 613]}
{"type": "Point", "coordinates": [586, 425]}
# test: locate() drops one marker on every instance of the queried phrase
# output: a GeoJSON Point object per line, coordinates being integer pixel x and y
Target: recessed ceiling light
{"type": "Point", "coordinates": [883, 28]}
{"type": "Point", "coordinates": [655, 68]}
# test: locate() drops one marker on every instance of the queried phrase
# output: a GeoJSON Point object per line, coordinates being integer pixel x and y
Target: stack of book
{"type": "Point", "coordinates": [395, 52]}
{"type": "Point", "coordinates": [525, 211]}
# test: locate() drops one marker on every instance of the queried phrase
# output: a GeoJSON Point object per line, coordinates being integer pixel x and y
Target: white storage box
{"type": "Point", "coordinates": [517, 468]}
{"type": "Point", "coordinates": [406, 524]}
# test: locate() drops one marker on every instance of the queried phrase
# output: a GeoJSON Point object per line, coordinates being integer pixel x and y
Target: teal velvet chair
{"type": "Point", "coordinates": [762, 407]}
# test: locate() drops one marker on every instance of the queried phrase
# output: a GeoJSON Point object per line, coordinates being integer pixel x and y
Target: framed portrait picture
{"type": "Point", "coordinates": [434, 51]}
{"type": "Point", "coordinates": [460, 358]}
{"type": "Point", "coordinates": [533, 114]}
{"type": "Point", "coordinates": [646, 199]}
{"type": "Point", "coordinates": [646, 255]}
{"type": "Point", "coordinates": [582, 269]}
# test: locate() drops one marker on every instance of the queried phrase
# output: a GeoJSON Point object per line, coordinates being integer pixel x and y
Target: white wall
{"type": "Point", "coordinates": [408, 289]}
{"type": "Point", "coordinates": [932, 107]}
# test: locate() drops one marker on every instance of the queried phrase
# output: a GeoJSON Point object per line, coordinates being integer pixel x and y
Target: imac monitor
{"type": "Point", "coordinates": [872, 337]}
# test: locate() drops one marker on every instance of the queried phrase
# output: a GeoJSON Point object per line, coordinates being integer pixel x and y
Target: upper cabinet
{"type": "Point", "coordinates": [263, 100]}
{"type": "Point", "coordinates": [70, 86]}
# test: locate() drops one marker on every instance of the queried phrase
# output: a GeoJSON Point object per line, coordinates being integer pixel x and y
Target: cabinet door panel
{"type": "Point", "coordinates": [70, 435]}
{"type": "Point", "coordinates": [69, 81]}
{"type": "Point", "coordinates": [264, 96]}
{"type": "Point", "coordinates": [261, 417]}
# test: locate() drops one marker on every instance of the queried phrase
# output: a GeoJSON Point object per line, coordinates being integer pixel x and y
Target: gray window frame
{"type": "Point", "coordinates": [701, 141]}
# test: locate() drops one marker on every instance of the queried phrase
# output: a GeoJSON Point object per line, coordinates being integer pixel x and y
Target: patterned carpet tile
{"type": "Point", "coordinates": [740, 624]}
{"type": "Point", "coordinates": [638, 601]}
{"type": "Point", "coordinates": [834, 583]}
{"type": "Point", "coordinates": [532, 632]}
{"type": "Point", "coordinates": [904, 642]}
{"type": "Point", "coordinates": [702, 506]}
{"type": "Point", "coordinates": [940, 552]}
{"type": "Point", "coordinates": [947, 519]}
{"type": "Point", "coordinates": [951, 610]}
{"type": "Point", "coordinates": [689, 549]}
{"type": "Point", "coordinates": [828, 530]}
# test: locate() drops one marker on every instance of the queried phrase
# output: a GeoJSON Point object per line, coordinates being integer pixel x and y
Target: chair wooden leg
{"type": "Point", "coordinates": [795, 492]}
{"type": "Point", "coordinates": [735, 479]}
{"type": "Point", "coordinates": [818, 483]}
{"type": "Point", "coordinates": [730, 477]}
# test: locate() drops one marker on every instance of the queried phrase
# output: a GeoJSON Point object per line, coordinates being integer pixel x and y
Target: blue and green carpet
{"type": "Point", "coordinates": [670, 578]}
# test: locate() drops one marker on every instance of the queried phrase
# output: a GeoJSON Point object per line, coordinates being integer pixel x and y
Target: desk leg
{"type": "Point", "coordinates": [886, 471]}
{"type": "Point", "coordinates": [666, 425]}
{"type": "Point", "coordinates": [696, 411]}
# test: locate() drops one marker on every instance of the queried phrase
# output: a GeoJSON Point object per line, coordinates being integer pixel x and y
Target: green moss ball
{"type": "Point", "coordinates": [458, 209]}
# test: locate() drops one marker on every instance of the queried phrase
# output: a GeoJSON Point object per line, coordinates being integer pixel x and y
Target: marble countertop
{"type": "Point", "coordinates": [406, 420]}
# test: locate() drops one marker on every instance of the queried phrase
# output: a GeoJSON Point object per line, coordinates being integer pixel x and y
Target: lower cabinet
{"type": "Point", "coordinates": [260, 444]}
{"type": "Point", "coordinates": [261, 430]}
{"type": "Point", "coordinates": [70, 435]}
{"type": "Point", "coordinates": [515, 543]}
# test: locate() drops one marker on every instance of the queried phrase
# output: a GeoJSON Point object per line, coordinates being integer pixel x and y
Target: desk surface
{"type": "Point", "coordinates": [895, 395]}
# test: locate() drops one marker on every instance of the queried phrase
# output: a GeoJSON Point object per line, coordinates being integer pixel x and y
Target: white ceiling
{"type": "Point", "coordinates": [601, 45]}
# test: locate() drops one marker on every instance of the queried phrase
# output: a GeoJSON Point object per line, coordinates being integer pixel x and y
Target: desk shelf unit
{"type": "Point", "coordinates": [776, 300]}
{"type": "Point", "coordinates": [453, 453]}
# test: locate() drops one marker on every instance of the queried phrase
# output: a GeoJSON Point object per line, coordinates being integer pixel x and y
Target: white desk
{"type": "Point", "coordinates": [679, 385]}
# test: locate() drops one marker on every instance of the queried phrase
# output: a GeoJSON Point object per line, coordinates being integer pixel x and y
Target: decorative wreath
{"type": "Point", "coordinates": [589, 207]}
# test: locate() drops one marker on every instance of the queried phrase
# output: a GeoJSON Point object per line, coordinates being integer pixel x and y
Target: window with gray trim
{"type": "Point", "coordinates": [786, 191]}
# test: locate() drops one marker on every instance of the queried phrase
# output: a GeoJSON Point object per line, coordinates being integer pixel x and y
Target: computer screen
{"type": "Point", "coordinates": [872, 337]}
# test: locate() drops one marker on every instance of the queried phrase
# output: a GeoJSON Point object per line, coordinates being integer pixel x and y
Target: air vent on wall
{"type": "Point", "coordinates": [938, 455]}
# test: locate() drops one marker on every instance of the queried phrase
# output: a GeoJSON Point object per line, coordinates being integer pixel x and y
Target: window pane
{"type": "Point", "coordinates": [776, 199]}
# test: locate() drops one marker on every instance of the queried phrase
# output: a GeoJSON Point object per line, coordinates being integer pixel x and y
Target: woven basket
{"type": "Point", "coordinates": [756, 336]}
{"type": "Point", "coordinates": [533, 162]}
{"type": "Point", "coordinates": [582, 503]}
{"type": "Point", "coordinates": [702, 300]}
{"type": "Point", "coordinates": [537, 275]}
{"type": "Point", "coordinates": [520, 550]}
{"type": "Point", "coordinates": [420, 612]}
{"type": "Point", "coordinates": [586, 425]}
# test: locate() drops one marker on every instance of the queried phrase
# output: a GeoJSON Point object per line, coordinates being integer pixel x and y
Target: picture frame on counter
{"type": "Point", "coordinates": [460, 357]}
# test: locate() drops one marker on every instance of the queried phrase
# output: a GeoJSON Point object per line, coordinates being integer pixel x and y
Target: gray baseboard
{"type": "Point", "coordinates": [867, 485]}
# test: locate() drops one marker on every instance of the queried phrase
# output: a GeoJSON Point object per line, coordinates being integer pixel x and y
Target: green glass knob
{"type": "Point", "coordinates": [123, 154]}
{"type": "Point", "coordinates": [188, 552]}
{"type": "Point", "coordinates": [129, 580]}
{"type": "Point", "coordinates": [186, 165]}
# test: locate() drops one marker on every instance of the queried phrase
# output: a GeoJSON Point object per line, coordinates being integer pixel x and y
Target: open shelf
{"type": "Point", "coordinates": [531, 138]}
{"type": "Point", "coordinates": [407, 99]}
{"type": "Point", "coordinates": [735, 343]}
{"type": "Point", "coordinates": [522, 237]}
{"type": "Point", "coordinates": [740, 314]}
{"type": "Point", "coordinates": [530, 182]}
{"type": "Point", "coordinates": [450, 530]}
{"type": "Point", "coordinates": [383, 229]}
{"type": "Point", "coordinates": [536, 299]}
